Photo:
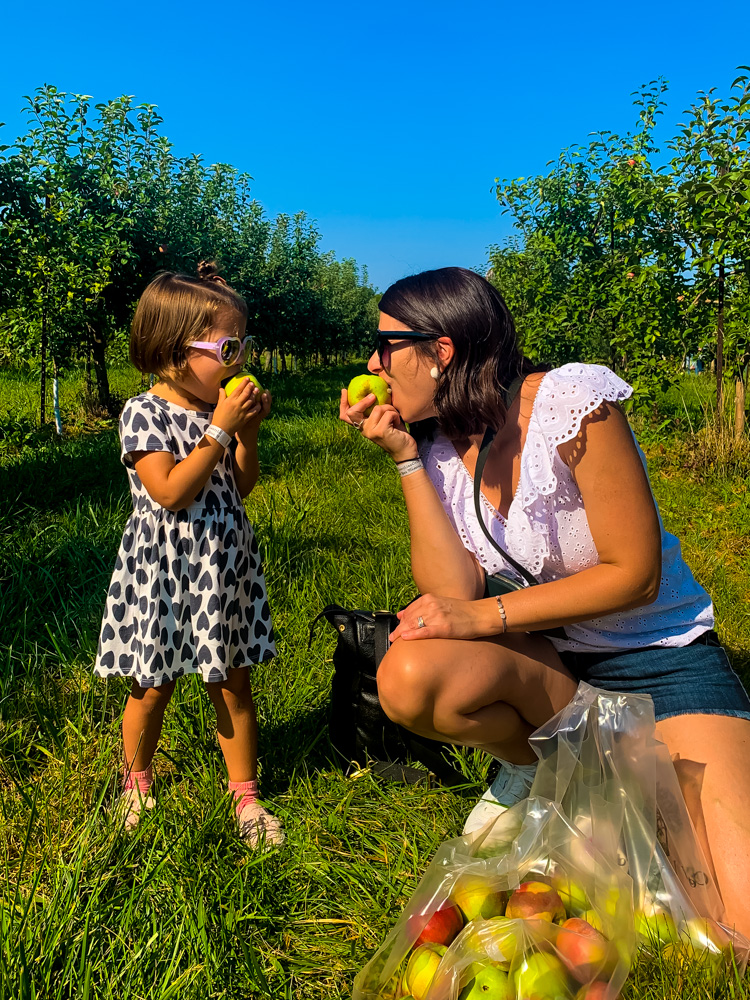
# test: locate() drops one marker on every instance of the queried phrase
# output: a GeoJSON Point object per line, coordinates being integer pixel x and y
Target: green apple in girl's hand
{"type": "Point", "coordinates": [237, 381]}
{"type": "Point", "coordinates": [362, 385]}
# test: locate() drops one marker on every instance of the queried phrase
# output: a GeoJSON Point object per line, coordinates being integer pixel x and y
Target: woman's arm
{"type": "Point", "coordinates": [624, 525]}
{"type": "Point", "coordinates": [175, 485]}
{"type": "Point", "coordinates": [440, 564]}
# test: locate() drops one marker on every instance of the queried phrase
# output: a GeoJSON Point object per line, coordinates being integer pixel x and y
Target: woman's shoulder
{"type": "Point", "coordinates": [566, 395]}
{"type": "Point", "coordinates": [577, 377]}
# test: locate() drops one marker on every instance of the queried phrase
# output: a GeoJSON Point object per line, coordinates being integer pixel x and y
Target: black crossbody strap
{"type": "Point", "coordinates": [382, 633]}
{"type": "Point", "coordinates": [489, 437]}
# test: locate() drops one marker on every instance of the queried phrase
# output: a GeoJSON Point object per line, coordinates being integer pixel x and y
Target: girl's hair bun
{"type": "Point", "coordinates": [208, 270]}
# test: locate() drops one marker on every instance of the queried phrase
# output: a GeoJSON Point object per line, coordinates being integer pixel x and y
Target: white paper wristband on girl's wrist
{"type": "Point", "coordinates": [219, 435]}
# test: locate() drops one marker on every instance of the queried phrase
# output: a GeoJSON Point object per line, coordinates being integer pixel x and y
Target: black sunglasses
{"type": "Point", "coordinates": [384, 346]}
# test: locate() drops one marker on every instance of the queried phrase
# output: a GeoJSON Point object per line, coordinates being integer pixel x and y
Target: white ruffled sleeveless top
{"type": "Point", "coordinates": [547, 531]}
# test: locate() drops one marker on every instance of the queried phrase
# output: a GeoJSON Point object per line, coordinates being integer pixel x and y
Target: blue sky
{"type": "Point", "coordinates": [386, 123]}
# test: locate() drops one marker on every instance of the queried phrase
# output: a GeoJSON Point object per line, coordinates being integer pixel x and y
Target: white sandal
{"type": "Point", "coordinates": [259, 827]}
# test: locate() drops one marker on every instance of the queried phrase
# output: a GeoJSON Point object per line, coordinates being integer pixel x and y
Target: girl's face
{"type": "Point", "coordinates": [407, 371]}
{"type": "Point", "coordinates": [205, 372]}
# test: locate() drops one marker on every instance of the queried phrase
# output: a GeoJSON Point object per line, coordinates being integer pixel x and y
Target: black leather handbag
{"type": "Point", "coordinates": [358, 728]}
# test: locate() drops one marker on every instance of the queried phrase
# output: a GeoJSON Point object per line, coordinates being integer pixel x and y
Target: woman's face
{"type": "Point", "coordinates": [408, 371]}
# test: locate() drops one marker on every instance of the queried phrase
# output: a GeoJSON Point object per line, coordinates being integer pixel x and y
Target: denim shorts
{"type": "Point", "coordinates": [682, 680]}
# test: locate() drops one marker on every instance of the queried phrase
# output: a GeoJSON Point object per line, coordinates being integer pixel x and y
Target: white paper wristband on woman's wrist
{"type": "Point", "coordinates": [406, 468]}
{"type": "Point", "coordinates": [219, 435]}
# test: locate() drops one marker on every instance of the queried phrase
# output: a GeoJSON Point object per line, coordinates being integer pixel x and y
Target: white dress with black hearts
{"type": "Point", "coordinates": [187, 594]}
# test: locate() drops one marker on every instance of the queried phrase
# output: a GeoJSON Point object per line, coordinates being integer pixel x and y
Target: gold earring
{"type": "Point", "coordinates": [434, 372]}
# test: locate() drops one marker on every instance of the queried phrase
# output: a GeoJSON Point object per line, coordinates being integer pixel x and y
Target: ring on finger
{"type": "Point", "coordinates": [420, 622]}
{"type": "Point", "coordinates": [357, 427]}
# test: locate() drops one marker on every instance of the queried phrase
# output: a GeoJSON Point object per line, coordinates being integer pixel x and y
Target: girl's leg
{"type": "Point", "coordinates": [141, 723]}
{"type": "Point", "coordinates": [487, 693]}
{"type": "Point", "coordinates": [237, 726]}
{"type": "Point", "coordinates": [712, 759]}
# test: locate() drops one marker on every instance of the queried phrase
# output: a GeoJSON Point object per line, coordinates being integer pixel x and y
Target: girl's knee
{"type": "Point", "coordinates": [153, 698]}
{"type": "Point", "coordinates": [237, 684]}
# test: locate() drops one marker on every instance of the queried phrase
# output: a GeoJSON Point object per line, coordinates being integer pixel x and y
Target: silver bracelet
{"type": "Point", "coordinates": [501, 609]}
{"type": "Point", "coordinates": [406, 468]}
{"type": "Point", "coordinates": [220, 435]}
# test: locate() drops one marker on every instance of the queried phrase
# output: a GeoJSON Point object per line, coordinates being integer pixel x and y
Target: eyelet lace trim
{"type": "Point", "coordinates": [565, 396]}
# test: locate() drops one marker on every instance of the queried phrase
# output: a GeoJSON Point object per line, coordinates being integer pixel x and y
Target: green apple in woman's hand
{"type": "Point", "coordinates": [362, 385]}
{"type": "Point", "coordinates": [236, 382]}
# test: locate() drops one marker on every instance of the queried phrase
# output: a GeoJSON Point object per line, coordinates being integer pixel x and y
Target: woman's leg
{"type": "Point", "coordinates": [142, 721]}
{"type": "Point", "coordinates": [487, 693]}
{"type": "Point", "coordinates": [237, 723]}
{"type": "Point", "coordinates": [712, 759]}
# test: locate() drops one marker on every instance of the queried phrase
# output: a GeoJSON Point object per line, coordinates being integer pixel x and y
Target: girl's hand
{"type": "Point", "coordinates": [447, 618]}
{"type": "Point", "coordinates": [384, 426]}
{"type": "Point", "coordinates": [232, 412]}
{"type": "Point", "coordinates": [250, 428]}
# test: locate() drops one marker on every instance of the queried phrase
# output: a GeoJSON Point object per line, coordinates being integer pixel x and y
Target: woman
{"type": "Point", "coordinates": [566, 494]}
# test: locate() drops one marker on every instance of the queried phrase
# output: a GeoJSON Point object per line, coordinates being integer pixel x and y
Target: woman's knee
{"type": "Point", "coordinates": [406, 695]}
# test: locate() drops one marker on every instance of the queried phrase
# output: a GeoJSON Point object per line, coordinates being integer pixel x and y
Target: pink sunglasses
{"type": "Point", "coordinates": [228, 350]}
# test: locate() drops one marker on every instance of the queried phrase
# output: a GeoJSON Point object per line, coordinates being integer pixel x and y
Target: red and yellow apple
{"type": "Point", "coordinates": [363, 385]}
{"type": "Point", "coordinates": [535, 900]}
{"type": "Point", "coordinates": [420, 971]}
{"type": "Point", "coordinates": [441, 927]}
{"type": "Point", "coordinates": [583, 949]}
{"type": "Point", "coordinates": [476, 896]}
{"type": "Point", "coordinates": [596, 991]}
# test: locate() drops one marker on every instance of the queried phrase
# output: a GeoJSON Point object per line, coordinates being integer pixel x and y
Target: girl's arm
{"type": "Point", "coordinates": [440, 564]}
{"type": "Point", "coordinates": [624, 525]}
{"type": "Point", "coordinates": [246, 464]}
{"type": "Point", "coordinates": [175, 485]}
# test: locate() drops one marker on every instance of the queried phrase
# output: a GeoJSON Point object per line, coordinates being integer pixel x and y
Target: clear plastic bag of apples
{"type": "Point", "coordinates": [553, 900]}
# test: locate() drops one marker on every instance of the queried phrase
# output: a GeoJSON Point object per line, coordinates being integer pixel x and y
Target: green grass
{"type": "Point", "coordinates": [181, 909]}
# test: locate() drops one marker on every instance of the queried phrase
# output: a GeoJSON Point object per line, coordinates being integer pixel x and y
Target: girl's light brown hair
{"type": "Point", "coordinates": [174, 310]}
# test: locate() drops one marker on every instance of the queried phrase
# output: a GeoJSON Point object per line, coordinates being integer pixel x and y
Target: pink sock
{"type": "Point", "coordinates": [245, 792]}
{"type": "Point", "coordinates": [143, 779]}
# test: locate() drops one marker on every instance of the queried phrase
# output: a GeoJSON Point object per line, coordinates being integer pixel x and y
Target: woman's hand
{"type": "Point", "coordinates": [448, 618]}
{"type": "Point", "coordinates": [384, 426]}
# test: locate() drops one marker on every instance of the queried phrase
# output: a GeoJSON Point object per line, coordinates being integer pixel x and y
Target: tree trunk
{"type": "Point", "coordinates": [100, 371]}
{"type": "Point", "coordinates": [720, 346]}
{"type": "Point", "coordinates": [739, 405]}
{"type": "Point", "coordinates": [43, 380]}
{"type": "Point", "coordinates": [56, 397]}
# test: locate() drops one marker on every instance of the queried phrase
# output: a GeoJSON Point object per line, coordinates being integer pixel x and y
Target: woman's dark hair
{"type": "Point", "coordinates": [460, 304]}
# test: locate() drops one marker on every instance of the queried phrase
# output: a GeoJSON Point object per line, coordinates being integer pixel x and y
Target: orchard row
{"type": "Point", "coordinates": [94, 202]}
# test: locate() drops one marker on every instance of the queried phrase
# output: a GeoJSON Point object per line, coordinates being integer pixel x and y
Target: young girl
{"type": "Point", "coordinates": [188, 594]}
